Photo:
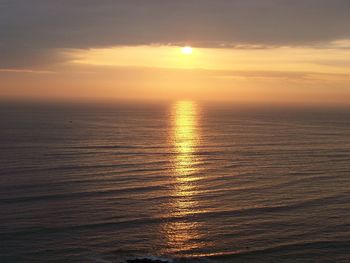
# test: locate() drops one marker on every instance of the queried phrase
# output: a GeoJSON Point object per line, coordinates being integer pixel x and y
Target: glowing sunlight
{"type": "Point", "coordinates": [187, 50]}
{"type": "Point", "coordinates": [182, 236]}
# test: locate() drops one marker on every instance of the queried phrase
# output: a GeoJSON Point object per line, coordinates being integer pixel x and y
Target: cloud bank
{"type": "Point", "coordinates": [32, 32]}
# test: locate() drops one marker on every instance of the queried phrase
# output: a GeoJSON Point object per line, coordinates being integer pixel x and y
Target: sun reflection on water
{"type": "Point", "coordinates": [185, 138]}
{"type": "Point", "coordinates": [182, 234]}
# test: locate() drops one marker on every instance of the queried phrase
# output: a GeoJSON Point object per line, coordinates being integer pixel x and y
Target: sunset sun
{"type": "Point", "coordinates": [187, 50]}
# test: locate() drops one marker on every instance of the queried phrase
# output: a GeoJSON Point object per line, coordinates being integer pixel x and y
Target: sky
{"type": "Point", "coordinates": [273, 51]}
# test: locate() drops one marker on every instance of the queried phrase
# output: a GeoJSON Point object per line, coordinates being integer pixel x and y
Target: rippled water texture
{"type": "Point", "coordinates": [186, 181]}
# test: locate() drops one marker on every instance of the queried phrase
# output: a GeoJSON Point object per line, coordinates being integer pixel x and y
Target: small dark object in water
{"type": "Point", "coordinates": [146, 260]}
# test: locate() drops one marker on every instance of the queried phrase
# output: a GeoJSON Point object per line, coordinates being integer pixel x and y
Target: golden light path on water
{"type": "Point", "coordinates": [185, 139]}
{"type": "Point", "coordinates": [183, 233]}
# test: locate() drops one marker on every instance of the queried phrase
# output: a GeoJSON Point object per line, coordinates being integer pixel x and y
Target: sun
{"type": "Point", "coordinates": [187, 50]}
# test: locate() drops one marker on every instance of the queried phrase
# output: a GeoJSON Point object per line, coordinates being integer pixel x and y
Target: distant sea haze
{"type": "Point", "coordinates": [184, 182]}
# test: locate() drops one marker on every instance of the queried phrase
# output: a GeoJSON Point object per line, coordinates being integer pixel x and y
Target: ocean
{"type": "Point", "coordinates": [182, 182]}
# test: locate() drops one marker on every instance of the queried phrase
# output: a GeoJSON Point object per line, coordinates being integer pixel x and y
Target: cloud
{"type": "Point", "coordinates": [29, 71]}
{"type": "Point", "coordinates": [31, 31]}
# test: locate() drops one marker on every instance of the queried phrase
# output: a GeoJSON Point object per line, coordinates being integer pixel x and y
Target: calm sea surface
{"type": "Point", "coordinates": [187, 182]}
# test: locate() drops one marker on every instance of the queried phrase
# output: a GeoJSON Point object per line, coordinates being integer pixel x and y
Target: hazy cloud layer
{"type": "Point", "coordinates": [32, 30]}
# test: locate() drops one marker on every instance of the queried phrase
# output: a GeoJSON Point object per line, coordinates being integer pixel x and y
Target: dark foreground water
{"type": "Point", "coordinates": [186, 182]}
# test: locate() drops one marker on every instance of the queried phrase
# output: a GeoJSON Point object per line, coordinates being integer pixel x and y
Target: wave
{"type": "Point", "coordinates": [197, 216]}
{"type": "Point", "coordinates": [327, 250]}
{"type": "Point", "coordinates": [306, 251]}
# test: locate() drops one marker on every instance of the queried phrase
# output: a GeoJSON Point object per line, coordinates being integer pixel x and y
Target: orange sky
{"type": "Point", "coordinates": [266, 51]}
{"type": "Point", "coordinates": [277, 74]}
